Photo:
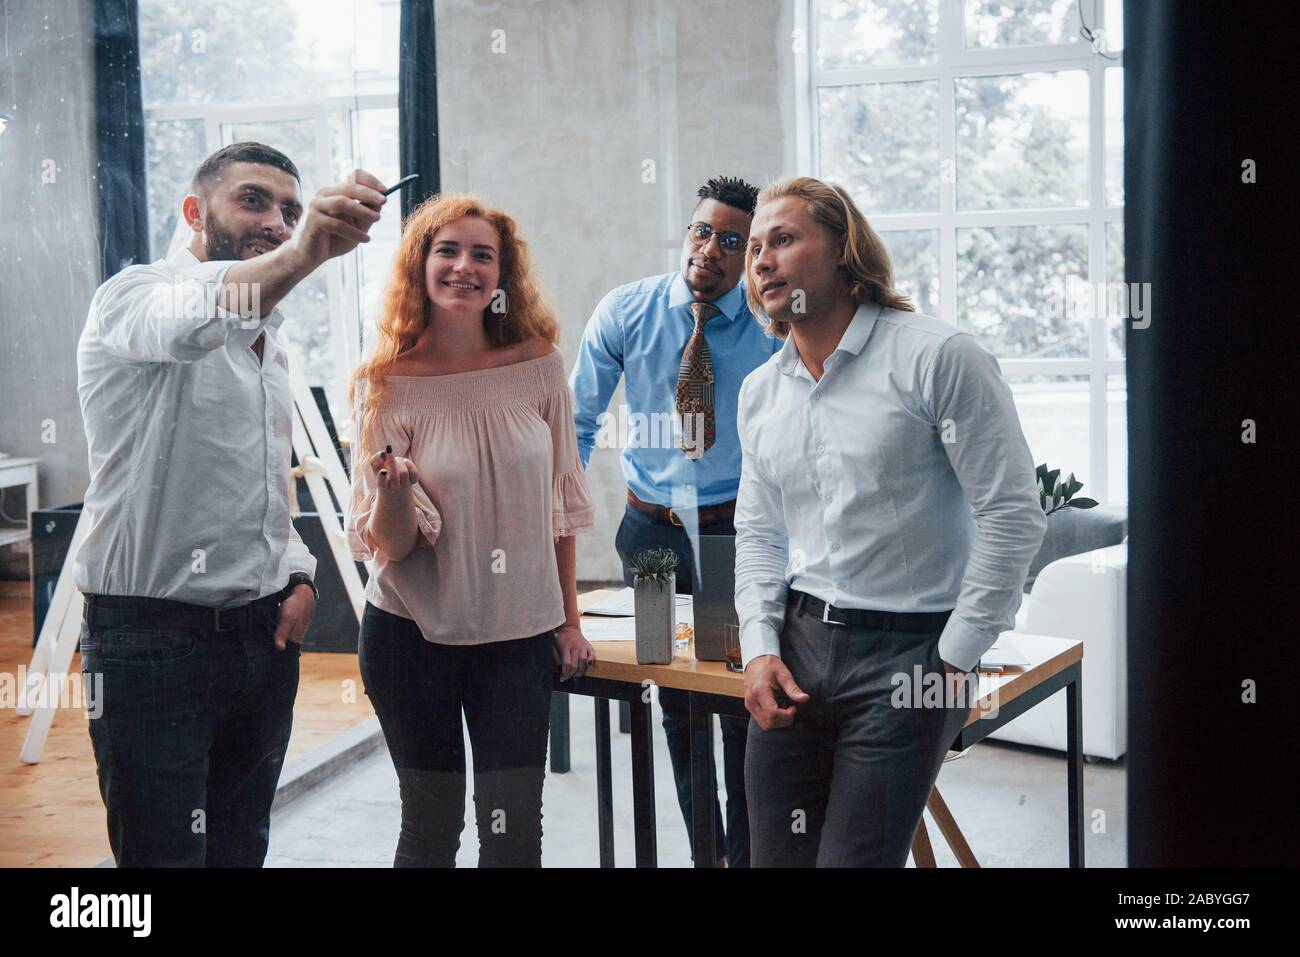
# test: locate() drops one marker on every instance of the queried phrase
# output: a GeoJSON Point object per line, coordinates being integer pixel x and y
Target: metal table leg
{"type": "Point", "coordinates": [703, 778]}
{"type": "Point", "coordinates": [643, 785]}
{"type": "Point", "coordinates": [559, 733]}
{"type": "Point", "coordinates": [604, 784]}
{"type": "Point", "coordinates": [1074, 765]}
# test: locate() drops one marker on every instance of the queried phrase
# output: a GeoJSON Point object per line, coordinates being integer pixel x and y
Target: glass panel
{"type": "Point", "coordinates": [173, 151]}
{"type": "Point", "coordinates": [1018, 23]}
{"type": "Point", "coordinates": [1022, 140]}
{"type": "Point", "coordinates": [1053, 413]}
{"type": "Point", "coordinates": [915, 255]}
{"type": "Point", "coordinates": [1116, 440]}
{"type": "Point", "coordinates": [376, 148]}
{"type": "Point", "coordinates": [307, 330]}
{"type": "Point", "coordinates": [306, 326]}
{"type": "Point", "coordinates": [876, 33]}
{"type": "Point", "coordinates": [264, 50]}
{"type": "Point", "coordinates": [188, 58]}
{"type": "Point", "coordinates": [1011, 286]}
{"type": "Point", "coordinates": [1115, 312]}
{"type": "Point", "coordinates": [1115, 137]}
{"type": "Point", "coordinates": [296, 139]}
{"type": "Point", "coordinates": [880, 141]}
{"type": "Point", "coordinates": [252, 53]}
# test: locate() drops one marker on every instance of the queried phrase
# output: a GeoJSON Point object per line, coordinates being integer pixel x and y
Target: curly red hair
{"type": "Point", "coordinates": [407, 309]}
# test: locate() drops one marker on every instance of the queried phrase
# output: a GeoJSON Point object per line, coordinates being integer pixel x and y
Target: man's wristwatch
{"type": "Point", "coordinates": [296, 579]}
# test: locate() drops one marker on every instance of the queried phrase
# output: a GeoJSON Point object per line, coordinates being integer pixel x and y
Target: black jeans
{"type": "Point", "coordinates": [638, 531]}
{"type": "Point", "coordinates": [419, 689]}
{"type": "Point", "coordinates": [193, 732]}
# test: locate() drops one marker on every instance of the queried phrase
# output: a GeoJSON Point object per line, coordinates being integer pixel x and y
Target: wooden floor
{"type": "Point", "coordinates": [51, 814]}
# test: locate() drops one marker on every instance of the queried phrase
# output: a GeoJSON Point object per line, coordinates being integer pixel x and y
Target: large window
{"type": "Point", "coordinates": [984, 141]}
{"type": "Point", "coordinates": [316, 79]}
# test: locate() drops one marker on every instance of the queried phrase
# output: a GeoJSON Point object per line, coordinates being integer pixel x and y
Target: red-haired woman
{"type": "Point", "coordinates": [467, 492]}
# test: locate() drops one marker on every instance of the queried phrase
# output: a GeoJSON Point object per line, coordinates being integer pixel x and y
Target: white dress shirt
{"type": "Point", "coordinates": [901, 481]}
{"type": "Point", "coordinates": [189, 439]}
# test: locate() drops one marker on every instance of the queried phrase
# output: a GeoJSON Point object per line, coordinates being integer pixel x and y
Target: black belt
{"type": "Point", "coordinates": [106, 611]}
{"type": "Point", "coordinates": [806, 604]}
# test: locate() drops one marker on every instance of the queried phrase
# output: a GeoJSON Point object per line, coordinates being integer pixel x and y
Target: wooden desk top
{"type": "Point", "coordinates": [616, 661]}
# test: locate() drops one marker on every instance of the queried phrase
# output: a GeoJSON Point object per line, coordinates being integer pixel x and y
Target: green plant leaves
{"type": "Point", "coordinates": [655, 564]}
{"type": "Point", "coordinates": [1060, 493]}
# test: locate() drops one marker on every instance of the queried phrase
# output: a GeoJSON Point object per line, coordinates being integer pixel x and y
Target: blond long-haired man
{"type": "Point", "coordinates": [885, 521]}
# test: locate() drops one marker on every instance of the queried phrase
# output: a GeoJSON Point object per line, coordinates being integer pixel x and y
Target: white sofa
{"type": "Point", "coordinates": [1080, 596]}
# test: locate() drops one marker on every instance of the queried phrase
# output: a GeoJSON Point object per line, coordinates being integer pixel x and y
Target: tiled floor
{"type": "Point", "coordinates": [1009, 801]}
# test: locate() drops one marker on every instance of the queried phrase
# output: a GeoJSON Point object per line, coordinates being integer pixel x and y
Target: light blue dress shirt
{"type": "Point", "coordinates": [640, 330]}
{"type": "Point", "coordinates": [901, 481]}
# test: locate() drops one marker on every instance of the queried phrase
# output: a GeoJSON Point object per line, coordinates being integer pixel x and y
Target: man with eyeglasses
{"type": "Point", "coordinates": [684, 341]}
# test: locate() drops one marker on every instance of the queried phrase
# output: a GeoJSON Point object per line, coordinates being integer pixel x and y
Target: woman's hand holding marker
{"type": "Point", "coordinates": [392, 472]}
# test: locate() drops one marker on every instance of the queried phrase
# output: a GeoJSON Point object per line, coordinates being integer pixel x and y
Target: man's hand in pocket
{"type": "Point", "coordinates": [296, 613]}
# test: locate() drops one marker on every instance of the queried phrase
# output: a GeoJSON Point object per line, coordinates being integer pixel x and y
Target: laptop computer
{"type": "Point", "coordinates": [715, 595]}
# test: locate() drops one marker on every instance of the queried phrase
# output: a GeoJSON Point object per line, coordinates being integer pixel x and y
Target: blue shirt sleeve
{"type": "Point", "coordinates": [596, 373]}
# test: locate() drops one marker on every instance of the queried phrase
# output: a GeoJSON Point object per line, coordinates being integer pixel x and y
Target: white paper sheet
{"type": "Point", "coordinates": [612, 628]}
{"type": "Point", "coordinates": [622, 604]}
{"type": "Point", "coordinates": [1003, 654]}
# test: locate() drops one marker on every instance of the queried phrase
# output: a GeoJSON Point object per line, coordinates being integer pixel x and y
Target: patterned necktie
{"type": "Point", "coordinates": [695, 386]}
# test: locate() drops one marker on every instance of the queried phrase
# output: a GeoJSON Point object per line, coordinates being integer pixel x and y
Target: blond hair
{"type": "Point", "coordinates": [864, 264]}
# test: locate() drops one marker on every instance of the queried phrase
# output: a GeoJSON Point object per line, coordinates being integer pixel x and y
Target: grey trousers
{"type": "Point", "coordinates": [844, 786]}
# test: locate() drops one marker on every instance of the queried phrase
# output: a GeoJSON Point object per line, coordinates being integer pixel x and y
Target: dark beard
{"type": "Point", "coordinates": [219, 244]}
{"type": "Point", "coordinates": [696, 289]}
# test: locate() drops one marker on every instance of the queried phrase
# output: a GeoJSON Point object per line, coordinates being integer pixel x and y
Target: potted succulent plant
{"type": "Point", "coordinates": [654, 578]}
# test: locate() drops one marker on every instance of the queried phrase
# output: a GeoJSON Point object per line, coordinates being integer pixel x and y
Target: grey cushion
{"type": "Point", "coordinates": [1073, 531]}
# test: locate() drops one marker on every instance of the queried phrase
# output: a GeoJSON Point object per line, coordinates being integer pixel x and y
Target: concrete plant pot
{"type": "Point", "coordinates": [656, 617]}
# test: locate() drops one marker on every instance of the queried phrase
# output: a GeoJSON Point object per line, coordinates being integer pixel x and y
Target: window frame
{"type": "Point", "coordinates": [342, 275]}
{"type": "Point", "coordinates": [954, 62]}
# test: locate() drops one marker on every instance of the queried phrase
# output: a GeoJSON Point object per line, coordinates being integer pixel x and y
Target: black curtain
{"type": "Point", "coordinates": [1209, 92]}
{"type": "Point", "coordinates": [417, 103]}
{"type": "Point", "coordinates": [119, 138]}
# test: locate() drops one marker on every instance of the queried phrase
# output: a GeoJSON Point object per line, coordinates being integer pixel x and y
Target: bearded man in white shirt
{"type": "Point", "coordinates": [198, 589]}
{"type": "Point", "coordinates": [885, 522]}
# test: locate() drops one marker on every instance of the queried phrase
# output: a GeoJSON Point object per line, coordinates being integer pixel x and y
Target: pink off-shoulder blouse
{"type": "Point", "coordinates": [500, 484]}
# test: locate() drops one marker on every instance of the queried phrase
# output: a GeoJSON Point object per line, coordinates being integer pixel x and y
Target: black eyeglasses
{"type": "Point", "coordinates": [730, 241]}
